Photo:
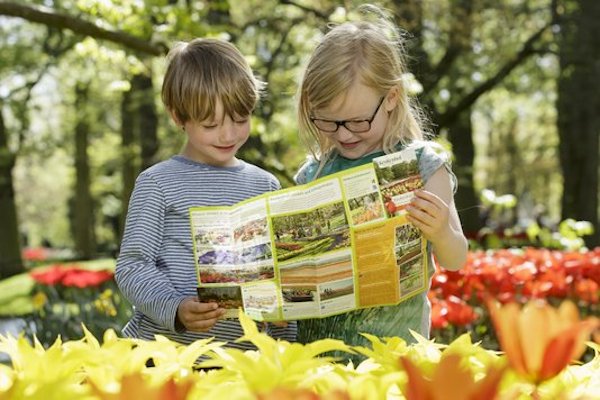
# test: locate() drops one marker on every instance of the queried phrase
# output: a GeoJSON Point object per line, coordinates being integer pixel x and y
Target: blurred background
{"type": "Point", "coordinates": [511, 86]}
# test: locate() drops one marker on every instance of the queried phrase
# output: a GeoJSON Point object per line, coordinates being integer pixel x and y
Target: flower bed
{"type": "Point", "coordinates": [511, 275]}
{"type": "Point", "coordinates": [118, 368]}
{"type": "Point", "coordinates": [66, 296]}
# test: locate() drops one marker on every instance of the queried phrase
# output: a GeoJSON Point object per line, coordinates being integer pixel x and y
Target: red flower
{"type": "Point", "coordinates": [70, 276]}
{"type": "Point", "coordinates": [82, 278]}
{"type": "Point", "coordinates": [439, 311]}
{"type": "Point", "coordinates": [587, 290]}
{"type": "Point", "coordinates": [459, 312]}
{"type": "Point", "coordinates": [34, 254]}
{"type": "Point", "coordinates": [50, 276]}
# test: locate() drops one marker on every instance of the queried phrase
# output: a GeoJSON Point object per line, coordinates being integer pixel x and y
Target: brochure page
{"type": "Point", "coordinates": [336, 244]}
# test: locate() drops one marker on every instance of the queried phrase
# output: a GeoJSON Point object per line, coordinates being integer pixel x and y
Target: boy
{"type": "Point", "coordinates": [210, 92]}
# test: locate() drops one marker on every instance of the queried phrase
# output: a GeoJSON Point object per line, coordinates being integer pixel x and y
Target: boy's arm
{"type": "Point", "coordinates": [137, 275]}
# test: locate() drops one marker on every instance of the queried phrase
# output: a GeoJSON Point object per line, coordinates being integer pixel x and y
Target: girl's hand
{"type": "Point", "coordinates": [430, 214]}
{"type": "Point", "coordinates": [198, 317]}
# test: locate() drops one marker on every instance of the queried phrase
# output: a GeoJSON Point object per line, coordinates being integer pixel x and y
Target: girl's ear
{"type": "Point", "coordinates": [391, 99]}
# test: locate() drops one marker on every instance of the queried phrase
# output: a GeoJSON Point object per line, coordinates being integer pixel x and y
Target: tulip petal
{"type": "Point", "coordinates": [568, 312]}
{"type": "Point", "coordinates": [487, 388]}
{"type": "Point", "coordinates": [505, 321]}
{"type": "Point", "coordinates": [452, 380]}
{"type": "Point", "coordinates": [533, 333]}
{"type": "Point", "coordinates": [566, 347]}
{"type": "Point", "coordinates": [417, 387]}
{"type": "Point", "coordinates": [558, 355]}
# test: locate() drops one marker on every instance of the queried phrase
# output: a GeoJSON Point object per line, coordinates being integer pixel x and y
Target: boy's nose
{"type": "Point", "coordinates": [227, 132]}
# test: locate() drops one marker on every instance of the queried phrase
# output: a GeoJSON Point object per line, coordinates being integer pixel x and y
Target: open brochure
{"type": "Point", "coordinates": [336, 244]}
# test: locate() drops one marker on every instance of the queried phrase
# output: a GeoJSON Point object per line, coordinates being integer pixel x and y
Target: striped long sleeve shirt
{"type": "Point", "coordinates": [155, 268]}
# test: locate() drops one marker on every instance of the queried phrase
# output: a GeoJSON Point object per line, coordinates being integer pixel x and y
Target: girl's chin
{"type": "Point", "coordinates": [352, 151]}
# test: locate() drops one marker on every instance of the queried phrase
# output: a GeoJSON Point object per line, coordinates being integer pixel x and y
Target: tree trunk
{"type": "Point", "coordinates": [460, 130]}
{"type": "Point", "coordinates": [460, 134]}
{"type": "Point", "coordinates": [147, 121]}
{"type": "Point", "coordinates": [83, 212]}
{"type": "Point", "coordinates": [578, 108]}
{"type": "Point", "coordinates": [129, 154]}
{"type": "Point", "coordinates": [10, 248]}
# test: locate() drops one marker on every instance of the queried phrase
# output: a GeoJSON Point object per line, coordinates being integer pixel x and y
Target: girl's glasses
{"type": "Point", "coordinates": [353, 125]}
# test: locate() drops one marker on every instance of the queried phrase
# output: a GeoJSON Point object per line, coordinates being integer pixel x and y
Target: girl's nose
{"type": "Point", "coordinates": [343, 133]}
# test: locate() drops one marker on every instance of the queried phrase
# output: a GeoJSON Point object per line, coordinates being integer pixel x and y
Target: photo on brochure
{"type": "Point", "coordinates": [411, 284]}
{"type": "Point", "coordinates": [333, 290]}
{"type": "Point", "coordinates": [216, 255]}
{"type": "Point", "coordinates": [410, 267]}
{"type": "Point", "coordinates": [227, 297]}
{"type": "Point", "coordinates": [212, 237]}
{"type": "Point", "coordinates": [311, 233]}
{"type": "Point", "coordinates": [398, 176]}
{"type": "Point", "coordinates": [365, 208]}
{"type": "Point", "coordinates": [232, 274]}
{"type": "Point", "coordinates": [408, 243]}
{"type": "Point", "coordinates": [252, 231]}
{"type": "Point", "coordinates": [299, 294]}
{"type": "Point", "coordinates": [260, 300]}
{"type": "Point", "coordinates": [314, 270]}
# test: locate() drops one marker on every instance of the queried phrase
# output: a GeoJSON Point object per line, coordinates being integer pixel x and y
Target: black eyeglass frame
{"type": "Point", "coordinates": [344, 123]}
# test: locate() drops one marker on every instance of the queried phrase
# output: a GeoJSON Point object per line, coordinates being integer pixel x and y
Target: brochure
{"type": "Point", "coordinates": [330, 246]}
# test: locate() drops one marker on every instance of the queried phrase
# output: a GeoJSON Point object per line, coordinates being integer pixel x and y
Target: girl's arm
{"type": "Point", "coordinates": [434, 213]}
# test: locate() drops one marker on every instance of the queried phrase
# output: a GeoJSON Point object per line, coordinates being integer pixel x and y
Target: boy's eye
{"type": "Point", "coordinates": [209, 126]}
{"type": "Point", "coordinates": [240, 120]}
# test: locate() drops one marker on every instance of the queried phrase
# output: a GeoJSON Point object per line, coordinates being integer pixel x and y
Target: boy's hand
{"type": "Point", "coordinates": [430, 214]}
{"type": "Point", "coordinates": [198, 317]}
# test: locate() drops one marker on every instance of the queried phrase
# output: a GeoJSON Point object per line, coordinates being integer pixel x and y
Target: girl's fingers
{"type": "Point", "coordinates": [419, 214]}
{"type": "Point", "coordinates": [424, 197]}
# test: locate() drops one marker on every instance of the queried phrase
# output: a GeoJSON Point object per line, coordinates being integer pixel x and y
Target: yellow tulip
{"type": "Point", "coordinates": [539, 340]}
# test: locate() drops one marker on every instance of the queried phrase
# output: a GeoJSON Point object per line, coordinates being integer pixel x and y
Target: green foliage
{"type": "Point", "coordinates": [503, 230]}
{"type": "Point", "coordinates": [452, 50]}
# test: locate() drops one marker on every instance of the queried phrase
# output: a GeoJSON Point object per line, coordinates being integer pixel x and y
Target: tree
{"type": "Point", "coordinates": [579, 121]}
{"type": "Point", "coordinates": [458, 61]}
{"type": "Point", "coordinates": [83, 210]}
{"type": "Point", "coordinates": [10, 248]}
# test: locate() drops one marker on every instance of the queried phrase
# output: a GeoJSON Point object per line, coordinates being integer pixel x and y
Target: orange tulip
{"type": "Point", "coordinates": [134, 386]}
{"type": "Point", "coordinates": [301, 394]}
{"type": "Point", "coordinates": [539, 340]}
{"type": "Point", "coordinates": [451, 380]}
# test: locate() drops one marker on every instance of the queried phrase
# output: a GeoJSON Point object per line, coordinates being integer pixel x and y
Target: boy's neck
{"type": "Point", "coordinates": [232, 162]}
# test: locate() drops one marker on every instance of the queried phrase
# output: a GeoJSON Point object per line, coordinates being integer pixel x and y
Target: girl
{"type": "Point", "coordinates": [353, 107]}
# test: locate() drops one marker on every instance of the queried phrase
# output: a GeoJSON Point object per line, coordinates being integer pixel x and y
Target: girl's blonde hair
{"type": "Point", "coordinates": [201, 73]}
{"type": "Point", "coordinates": [371, 50]}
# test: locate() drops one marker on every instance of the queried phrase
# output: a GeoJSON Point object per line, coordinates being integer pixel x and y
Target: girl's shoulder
{"type": "Point", "coordinates": [432, 156]}
{"type": "Point", "coordinates": [307, 171]}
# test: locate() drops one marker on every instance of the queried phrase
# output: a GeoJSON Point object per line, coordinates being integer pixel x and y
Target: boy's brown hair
{"type": "Point", "coordinates": [203, 72]}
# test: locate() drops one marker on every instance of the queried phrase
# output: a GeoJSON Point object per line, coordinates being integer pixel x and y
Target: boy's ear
{"type": "Point", "coordinates": [391, 99]}
{"type": "Point", "coordinates": [175, 119]}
